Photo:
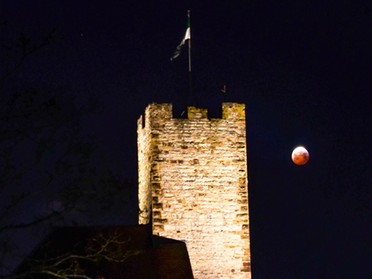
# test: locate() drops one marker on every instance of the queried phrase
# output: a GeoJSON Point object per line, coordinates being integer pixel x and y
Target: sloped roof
{"type": "Point", "coordinates": [107, 253]}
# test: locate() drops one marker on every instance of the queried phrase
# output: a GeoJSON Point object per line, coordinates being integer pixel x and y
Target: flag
{"type": "Point", "coordinates": [185, 38]}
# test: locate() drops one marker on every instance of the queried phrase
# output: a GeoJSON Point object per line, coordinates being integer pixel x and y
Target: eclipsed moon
{"type": "Point", "coordinates": [300, 156]}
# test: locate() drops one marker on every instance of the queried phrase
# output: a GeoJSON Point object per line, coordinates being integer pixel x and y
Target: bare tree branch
{"type": "Point", "coordinates": [102, 248]}
{"type": "Point", "coordinates": [31, 223]}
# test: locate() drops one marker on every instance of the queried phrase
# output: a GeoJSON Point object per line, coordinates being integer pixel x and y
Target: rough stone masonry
{"type": "Point", "coordinates": [193, 185]}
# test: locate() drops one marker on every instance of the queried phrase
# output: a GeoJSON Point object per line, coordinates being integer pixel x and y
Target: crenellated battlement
{"type": "Point", "coordinates": [161, 112]}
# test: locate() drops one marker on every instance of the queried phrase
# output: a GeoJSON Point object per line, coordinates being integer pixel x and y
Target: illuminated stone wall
{"type": "Point", "coordinates": [193, 185]}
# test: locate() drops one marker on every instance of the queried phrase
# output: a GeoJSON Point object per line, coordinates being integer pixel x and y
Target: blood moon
{"type": "Point", "coordinates": [300, 156]}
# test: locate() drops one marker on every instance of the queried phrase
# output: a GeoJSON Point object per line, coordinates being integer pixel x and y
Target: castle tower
{"type": "Point", "coordinates": [193, 185]}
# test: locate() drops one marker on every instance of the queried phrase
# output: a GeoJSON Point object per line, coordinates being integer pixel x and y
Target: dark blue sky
{"type": "Point", "coordinates": [303, 70]}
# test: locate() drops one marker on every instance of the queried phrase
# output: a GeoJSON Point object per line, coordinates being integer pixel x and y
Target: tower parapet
{"type": "Point", "coordinates": [193, 185]}
{"type": "Point", "coordinates": [233, 111]}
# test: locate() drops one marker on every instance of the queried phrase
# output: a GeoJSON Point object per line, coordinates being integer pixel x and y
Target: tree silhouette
{"type": "Point", "coordinates": [49, 172]}
{"type": "Point", "coordinates": [86, 258]}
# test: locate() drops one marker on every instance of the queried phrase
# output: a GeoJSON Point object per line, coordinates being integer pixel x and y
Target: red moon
{"type": "Point", "coordinates": [300, 156]}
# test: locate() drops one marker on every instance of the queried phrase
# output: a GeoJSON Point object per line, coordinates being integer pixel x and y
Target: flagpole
{"type": "Point", "coordinates": [191, 95]}
{"type": "Point", "coordinates": [188, 18]}
{"type": "Point", "coordinates": [177, 52]}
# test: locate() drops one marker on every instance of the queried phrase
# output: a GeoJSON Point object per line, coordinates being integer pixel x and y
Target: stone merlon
{"type": "Point", "coordinates": [230, 111]}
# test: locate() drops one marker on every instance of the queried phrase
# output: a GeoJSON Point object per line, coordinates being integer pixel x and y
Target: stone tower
{"type": "Point", "coordinates": [193, 185]}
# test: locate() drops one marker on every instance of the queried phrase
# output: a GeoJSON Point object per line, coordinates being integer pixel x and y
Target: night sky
{"type": "Point", "coordinates": [303, 69]}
